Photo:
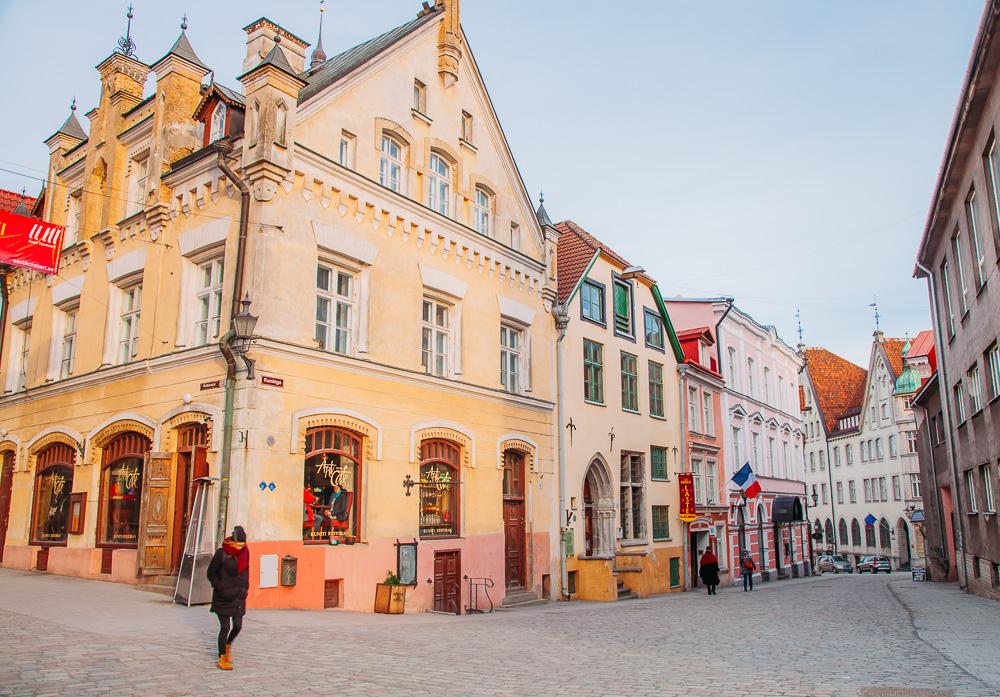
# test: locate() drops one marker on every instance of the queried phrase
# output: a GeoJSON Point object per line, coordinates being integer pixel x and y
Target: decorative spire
{"type": "Point", "coordinates": [22, 207]}
{"type": "Point", "coordinates": [182, 48]}
{"type": "Point", "coordinates": [126, 46]}
{"type": "Point", "coordinates": [318, 54]}
{"type": "Point", "coordinates": [798, 318]}
{"type": "Point", "coordinates": [71, 127]}
{"type": "Point", "coordinates": [184, 23]}
{"type": "Point", "coordinates": [72, 105]}
{"type": "Point", "coordinates": [874, 304]}
{"type": "Point", "coordinates": [541, 213]}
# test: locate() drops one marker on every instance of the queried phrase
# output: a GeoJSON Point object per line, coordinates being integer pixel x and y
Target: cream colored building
{"type": "Point", "coordinates": [404, 292]}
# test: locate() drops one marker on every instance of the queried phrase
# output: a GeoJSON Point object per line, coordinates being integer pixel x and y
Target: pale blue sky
{"type": "Point", "coordinates": [780, 152]}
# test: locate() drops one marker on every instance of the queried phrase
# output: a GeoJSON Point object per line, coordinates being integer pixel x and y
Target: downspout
{"type": "Point", "coordinates": [685, 552]}
{"type": "Point", "coordinates": [946, 408]}
{"type": "Point", "coordinates": [718, 325]}
{"type": "Point", "coordinates": [560, 313]}
{"type": "Point", "coordinates": [225, 148]}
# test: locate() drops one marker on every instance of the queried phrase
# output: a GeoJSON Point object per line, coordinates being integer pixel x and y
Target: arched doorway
{"type": "Point", "coordinates": [761, 539]}
{"type": "Point", "coordinates": [885, 540]}
{"type": "Point", "coordinates": [598, 510]}
{"type": "Point", "coordinates": [514, 528]}
{"type": "Point", "coordinates": [903, 540]}
{"type": "Point", "coordinates": [6, 487]}
{"type": "Point", "coordinates": [192, 464]}
{"type": "Point", "coordinates": [830, 542]}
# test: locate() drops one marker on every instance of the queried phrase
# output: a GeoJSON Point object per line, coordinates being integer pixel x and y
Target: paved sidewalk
{"type": "Point", "coordinates": [819, 637]}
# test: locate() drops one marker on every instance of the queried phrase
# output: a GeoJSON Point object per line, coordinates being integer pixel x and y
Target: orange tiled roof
{"type": "Point", "coordinates": [894, 350]}
{"type": "Point", "coordinates": [10, 199]}
{"type": "Point", "coordinates": [574, 251]}
{"type": "Point", "coordinates": [839, 384]}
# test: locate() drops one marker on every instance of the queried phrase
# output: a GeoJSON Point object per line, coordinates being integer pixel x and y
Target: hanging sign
{"type": "Point", "coordinates": [30, 243]}
{"type": "Point", "coordinates": [685, 482]}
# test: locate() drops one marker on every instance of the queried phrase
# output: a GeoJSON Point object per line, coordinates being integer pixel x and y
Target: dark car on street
{"type": "Point", "coordinates": [874, 563]}
{"type": "Point", "coordinates": [835, 563]}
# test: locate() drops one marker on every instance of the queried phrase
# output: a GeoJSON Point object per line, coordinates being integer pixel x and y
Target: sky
{"type": "Point", "coordinates": [780, 152]}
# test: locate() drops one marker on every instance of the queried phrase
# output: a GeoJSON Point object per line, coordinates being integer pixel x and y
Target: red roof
{"type": "Point", "coordinates": [575, 249]}
{"type": "Point", "coordinates": [10, 199]}
{"type": "Point", "coordinates": [894, 350]}
{"type": "Point", "coordinates": [838, 383]}
{"type": "Point", "coordinates": [922, 344]}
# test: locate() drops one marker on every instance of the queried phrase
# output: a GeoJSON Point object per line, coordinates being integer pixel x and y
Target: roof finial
{"type": "Point", "coordinates": [319, 55]}
{"type": "Point", "coordinates": [874, 304]}
{"type": "Point", "coordinates": [126, 46]}
{"type": "Point", "coordinates": [72, 105]}
{"type": "Point", "coordinates": [798, 318]}
{"type": "Point", "coordinates": [541, 197]}
{"type": "Point", "coordinates": [184, 22]}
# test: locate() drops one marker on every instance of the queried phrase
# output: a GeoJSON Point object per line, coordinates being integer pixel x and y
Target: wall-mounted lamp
{"type": "Point", "coordinates": [408, 484]}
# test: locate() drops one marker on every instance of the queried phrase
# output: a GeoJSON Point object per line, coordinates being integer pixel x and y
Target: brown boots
{"type": "Point", "coordinates": [226, 659]}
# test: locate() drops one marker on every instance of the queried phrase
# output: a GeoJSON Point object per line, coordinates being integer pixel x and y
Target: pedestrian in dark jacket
{"type": "Point", "coordinates": [709, 570]}
{"type": "Point", "coordinates": [229, 574]}
{"type": "Point", "coordinates": [748, 565]}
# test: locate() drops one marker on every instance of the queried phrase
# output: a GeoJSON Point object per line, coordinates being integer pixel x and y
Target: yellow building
{"type": "Point", "coordinates": [369, 209]}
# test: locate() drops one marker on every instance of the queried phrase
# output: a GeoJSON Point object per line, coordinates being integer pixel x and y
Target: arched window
{"type": "Point", "coordinates": [331, 512]}
{"type": "Point", "coordinates": [122, 462]}
{"type": "Point", "coordinates": [842, 532]}
{"type": "Point", "coordinates": [829, 532]}
{"type": "Point", "coordinates": [390, 168]}
{"type": "Point", "coordinates": [855, 533]}
{"type": "Point", "coordinates": [883, 534]}
{"type": "Point", "coordinates": [280, 124]}
{"type": "Point", "coordinates": [439, 488]}
{"type": "Point", "coordinates": [483, 211]}
{"type": "Point", "coordinates": [870, 536]}
{"type": "Point", "coordinates": [53, 485]}
{"type": "Point", "coordinates": [438, 184]}
{"type": "Point", "coordinates": [218, 123]}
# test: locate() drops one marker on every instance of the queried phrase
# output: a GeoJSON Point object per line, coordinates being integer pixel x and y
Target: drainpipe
{"type": "Point", "coordinates": [946, 408]}
{"type": "Point", "coordinates": [685, 552]}
{"type": "Point", "coordinates": [560, 313]}
{"type": "Point", "coordinates": [718, 326]}
{"type": "Point", "coordinates": [225, 148]}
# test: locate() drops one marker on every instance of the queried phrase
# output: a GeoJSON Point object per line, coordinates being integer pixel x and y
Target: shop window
{"type": "Point", "coordinates": [330, 507]}
{"type": "Point", "coordinates": [439, 488]}
{"type": "Point", "coordinates": [121, 489]}
{"type": "Point", "coordinates": [53, 486]}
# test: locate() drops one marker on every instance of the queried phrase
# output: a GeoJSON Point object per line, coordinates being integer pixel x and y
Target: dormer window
{"type": "Point", "coordinates": [419, 96]}
{"type": "Point", "coordinates": [218, 123]}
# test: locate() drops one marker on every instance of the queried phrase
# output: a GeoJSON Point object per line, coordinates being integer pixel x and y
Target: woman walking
{"type": "Point", "coordinates": [229, 574]}
{"type": "Point", "coordinates": [709, 570]}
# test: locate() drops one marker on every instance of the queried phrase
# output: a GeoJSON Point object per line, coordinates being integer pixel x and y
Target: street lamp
{"type": "Point", "coordinates": [243, 325]}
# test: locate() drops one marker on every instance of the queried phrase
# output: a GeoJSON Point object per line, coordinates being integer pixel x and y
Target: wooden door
{"type": "Point", "coordinates": [192, 464]}
{"type": "Point", "coordinates": [588, 520]}
{"type": "Point", "coordinates": [155, 516]}
{"type": "Point", "coordinates": [447, 582]}
{"type": "Point", "coordinates": [6, 479]}
{"type": "Point", "coordinates": [514, 527]}
{"type": "Point", "coordinates": [695, 561]}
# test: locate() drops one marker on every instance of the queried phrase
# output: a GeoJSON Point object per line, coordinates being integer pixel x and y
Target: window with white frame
{"type": "Point", "coordinates": [915, 486]}
{"type": "Point", "coordinates": [467, 127]}
{"type": "Point", "coordinates": [136, 185]}
{"type": "Point", "coordinates": [767, 385]}
{"type": "Point", "coordinates": [945, 289]}
{"type": "Point", "coordinates": [755, 439]}
{"type": "Point", "coordinates": [390, 167]}
{"type": "Point", "coordinates": [911, 441]}
{"type": "Point", "coordinates": [128, 322]}
{"type": "Point", "coordinates": [986, 477]}
{"type": "Point", "coordinates": [812, 462]}
{"type": "Point", "coordinates": [963, 288]}
{"type": "Point", "coordinates": [438, 184]}
{"type": "Point", "coordinates": [849, 454]}
{"type": "Point", "coordinates": [348, 147]}
{"type": "Point", "coordinates": [435, 337]}
{"type": "Point", "coordinates": [696, 475]}
{"type": "Point", "coordinates": [822, 460]}
{"type": "Point", "coordinates": [840, 492]}
{"type": "Point", "coordinates": [785, 463]}
{"type": "Point", "coordinates": [992, 161]}
{"type": "Point", "coordinates": [885, 410]}
{"type": "Point", "coordinates": [978, 255]}
{"type": "Point", "coordinates": [21, 354]}
{"type": "Point", "coordinates": [751, 378]}
{"type": "Point", "coordinates": [879, 451]}
{"type": "Point", "coordinates": [67, 342]}
{"type": "Point", "coordinates": [868, 490]}
{"type": "Point", "coordinates": [708, 425]}
{"type": "Point", "coordinates": [893, 448]}
{"type": "Point", "coordinates": [781, 392]}
{"type": "Point", "coordinates": [217, 125]}
{"type": "Point", "coordinates": [970, 491]}
{"type": "Point", "coordinates": [897, 489]}
{"type": "Point", "coordinates": [737, 447]}
{"type": "Point", "coordinates": [824, 496]}
{"type": "Point", "coordinates": [992, 361]}
{"type": "Point", "coordinates": [693, 411]}
{"type": "Point", "coordinates": [882, 489]}
{"type": "Point", "coordinates": [710, 467]}
{"type": "Point", "coordinates": [510, 357]}
{"type": "Point", "coordinates": [632, 499]}
{"type": "Point", "coordinates": [482, 207]}
{"type": "Point", "coordinates": [959, 403]}
{"type": "Point", "coordinates": [208, 300]}
{"type": "Point", "coordinates": [734, 375]}
{"type": "Point", "coordinates": [836, 456]}
{"type": "Point", "coordinates": [335, 303]}
{"type": "Point", "coordinates": [515, 237]}
{"type": "Point", "coordinates": [420, 96]}
{"type": "Point", "coordinates": [770, 456]}
{"type": "Point", "coordinates": [73, 208]}
{"type": "Point", "coordinates": [852, 493]}
{"type": "Point", "coordinates": [630, 381]}
{"type": "Point", "coordinates": [975, 389]}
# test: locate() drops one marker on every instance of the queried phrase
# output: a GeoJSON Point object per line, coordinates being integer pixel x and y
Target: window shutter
{"type": "Point", "coordinates": [621, 301]}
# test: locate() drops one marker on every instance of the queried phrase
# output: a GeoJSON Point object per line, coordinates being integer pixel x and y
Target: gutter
{"type": "Point", "coordinates": [682, 369]}
{"type": "Point", "coordinates": [718, 326]}
{"type": "Point", "coordinates": [560, 313]}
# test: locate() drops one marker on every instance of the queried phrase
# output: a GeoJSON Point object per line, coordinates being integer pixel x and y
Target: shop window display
{"type": "Point", "coordinates": [332, 483]}
{"type": "Point", "coordinates": [121, 486]}
{"type": "Point", "coordinates": [439, 489]}
{"type": "Point", "coordinates": [53, 486]}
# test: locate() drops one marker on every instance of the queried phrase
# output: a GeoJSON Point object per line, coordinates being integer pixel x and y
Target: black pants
{"type": "Point", "coordinates": [226, 635]}
{"type": "Point", "coordinates": [711, 588]}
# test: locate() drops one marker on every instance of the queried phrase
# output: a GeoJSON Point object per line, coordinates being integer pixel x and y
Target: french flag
{"type": "Point", "coordinates": [746, 480]}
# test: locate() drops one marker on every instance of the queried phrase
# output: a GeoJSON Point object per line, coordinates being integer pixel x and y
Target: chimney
{"type": "Point", "coordinates": [449, 42]}
{"type": "Point", "coordinates": [260, 41]}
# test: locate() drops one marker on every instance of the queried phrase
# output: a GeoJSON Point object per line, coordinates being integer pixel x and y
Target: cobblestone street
{"type": "Point", "coordinates": [68, 636]}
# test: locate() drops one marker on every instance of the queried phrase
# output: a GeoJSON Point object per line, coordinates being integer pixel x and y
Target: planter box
{"type": "Point", "coordinates": [390, 600]}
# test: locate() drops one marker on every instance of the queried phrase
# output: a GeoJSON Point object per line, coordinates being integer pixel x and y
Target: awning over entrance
{"type": "Point", "coordinates": [786, 509]}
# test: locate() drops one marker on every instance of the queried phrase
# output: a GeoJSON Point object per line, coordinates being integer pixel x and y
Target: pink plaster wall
{"type": "Point", "coordinates": [72, 561]}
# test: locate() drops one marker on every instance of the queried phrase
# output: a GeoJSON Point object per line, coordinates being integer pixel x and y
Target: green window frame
{"type": "Point", "coordinates": [653, 325]}
{"type": "Point", "coordinates": [675, 572]}
{"type": "Point", "coordinates": [630, 381]}
{"type": "Point", "coordinates": [593, 371]}
{"type": "Point", "coordinates": [655, 389]}
{"type": "Point", "coordinates": [658, 460]}
{"type": "Point", "coordinates": [623, 308]}
{"type": "Point", "coordinates": [592, 302]}
{"type": "Point", "coordinates": [661, 524]}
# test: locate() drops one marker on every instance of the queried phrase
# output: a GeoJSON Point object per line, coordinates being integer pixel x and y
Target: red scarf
{"type": "Point", "coordinates": [242, 554]}
{"type": "Point", "coordinates": [709, 557]}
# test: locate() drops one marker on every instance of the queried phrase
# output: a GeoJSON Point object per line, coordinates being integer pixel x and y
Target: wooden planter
{"type": "Point", "coordinates": [390, 600]}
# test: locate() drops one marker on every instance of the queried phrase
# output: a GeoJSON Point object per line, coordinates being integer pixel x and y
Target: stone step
{"type": "Point", "coordinates": [518, 598]}
{"type": "Point", "coordinates": [533, 602]}
{"type": "Point", "coordinates": [156, 588]}
{"type": "Point", "coordinates": [625, 593]}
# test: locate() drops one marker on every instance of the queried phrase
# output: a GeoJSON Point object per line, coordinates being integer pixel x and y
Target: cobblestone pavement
{"type": "Point", "coordinates": [826, 636]}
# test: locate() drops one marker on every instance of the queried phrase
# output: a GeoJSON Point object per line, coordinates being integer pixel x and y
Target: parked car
{"type": "Point", "coordinates": [835, 563]}
{"type": "Point", "coordinates": [874, 563]}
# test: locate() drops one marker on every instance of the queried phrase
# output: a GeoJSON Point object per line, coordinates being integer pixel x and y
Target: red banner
{"type": "Point", "coordinates": [685, 482]}
{"type": "Point", "coordinates": [30, 243]}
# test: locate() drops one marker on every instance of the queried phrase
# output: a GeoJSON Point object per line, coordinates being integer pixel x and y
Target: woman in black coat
{"type": "Point", "coordinates": [229, 574]}
{"type": "Point", "coordinates": [709, 570]}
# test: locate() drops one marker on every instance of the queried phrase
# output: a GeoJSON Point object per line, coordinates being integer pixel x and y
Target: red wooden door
{"type": "Point", "coordinates": [514, 527]}
{"type": "Point", "coordinates": [447, 582]}
{"type": "Point", "coordinates": [6, 479]}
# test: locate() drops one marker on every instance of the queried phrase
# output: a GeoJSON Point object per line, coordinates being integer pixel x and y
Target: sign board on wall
{"type": "Point", "coordinates": [30, 243]}
{"type": "Point", "coordinates": [272, 381]}
{"type": "Point", "coordinates": [685, 483]}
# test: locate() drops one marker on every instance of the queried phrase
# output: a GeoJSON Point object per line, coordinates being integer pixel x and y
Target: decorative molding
{"type": "Point", "coordinates": [442, 282]}
{"type": "Point", "coordinates": [11, 443]}
{"type": "Point", "coordinates": [186, 414]}
{"type": "Point", "coordinates": [368, 428]}
{"type": "Point", "coordinates": [23, 311]}
{"type": "Point", "coordinates": [512, 309]}
{"type": "Point", "coordinates": [120, 423]}
{"type": "Point", "coordinates": [49, 436]}
{"type": "Point", "coordinates": [341, 242]}
{"type": "Point", "coordinates": [448, 431]}
{"type": "Point", "coordinates": [68, 290]}
{"type": "Point", "coordinates": [127, 264]}
{"type": "Point", "coordinates": [204, 236]}
{"type": "Point", "coordinates": [515, 441]}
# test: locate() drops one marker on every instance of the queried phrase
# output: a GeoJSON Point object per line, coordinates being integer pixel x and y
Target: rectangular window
{"type": "Point", "coordinates": [852, 494]}
{"type": "Point", "coordinates": [963, 287]}
{"type": "Point", "coordinates": [435, 337]}
{"type": "Point", "coordinates": [593, 371]}
{"type": "Point", "coordinates": [992, 361]}
{"type": "Point", "coordinates": [897, 489]}
{"type": "Point", "coordinates": [710, 469]}
{"type": "Point", "coordinates": [510, 358]}
{"type": "Point", "coordinates": [986, 478]}
{"type": "Point", "coordinates": [975, 390]}
{"type": "Point", "coordinates": [849, 454]}
{"type": "Point", "coordinates": [655, 389]}
{"type": "Point", "coordinates": [781, 392]}
{"type": "Point", "coordinates": [630, 382]}
{"type": "Point", "coordinates": [72, 218]}
{"type": "Point", "coordinates": [693, 411]}
{"type": "Point", "coordinates": [699, 493]}
{"type": "Point", "coordinates": [840, 492]}
{"type": "Point", "coordinates": [970, 491]}
{"type": "Point", "coordinates": [482, 207]}
{"type": "Point", "coordinates": [882, 491]}
{"type": "Point", "coordinates": [334, 309]}
{"type": "Point", "coordinates": [633, 486]}
{"type": "Point", "coordinates": [786, 464]}
{"type": "Point", "coordinates": [661, 522]}
{"type": "Point", "coordinates": [879, 451]}
{"type": "Point", "coordinates": [592, 302]}
{"type": "Point", "coordinates": [136, 186]}
{"type": "Point", "coordinates": [128, 323]}
{"type": "Point", "coordinates": [959, 403]}
{"type": "Point", "coordinates": [823, 493]}
{"type": "Point", "coordinates": [68, 352]}
{"type": "Point", "coordinates": [836, 456]}
{"type": "Point", "coordinates": [767, 385]}
{"type": "Point", "coordinates": [515, 237]}
{"type": "Point", "coordinates": [915, 486]}
{"type": "Point", "coordinates": [893, 449]}
{"type": "Point", "coordinates": [755, 439]}
{"type": "Point", "coordinates": [420, 96]}
{"type": "Point", "coordinates": [208, 298]}
{"type": "Point", "coordinates": [770, 456]}
{"type": "Point", "coordinates": [978, 255]}
{"type": "Point", "coordinates": [347, 149]}
{"type": "Point", "coordinates": [946, 290]}
{"type": "Point", "coordinates": [654, 329]}
{"type": "Point", "coordinates": [708, 425]}
{"type": "Point", "coordinates": [23, 356]}
{"type": "Point", "coordinates": [737, 448]}
{"type": "Point", "coordinates": [623, 308]}
{"type": "Point", "coordinates": [438, 184]}
{"type": "Point", "coordinates": [751, 378]}
{"type": "Point", "coordinates": [991, 165]}
{"type": "Point", "coordinates": [812, 462]}
{"type": "Point", "coordinates": [390, 167]}
{"type": "Point", "coordinates": [734, 375]}
{"type": "Point", "coordinates": [868, 490]}
{"type": "Point", "coordinates": [822, 461]}
{"type": "Point", "coordinates": [467, 127]}
{"type": "Point", "coordinates": [658, 460]}
{"type": "Point", "coordinates": [863, 449]}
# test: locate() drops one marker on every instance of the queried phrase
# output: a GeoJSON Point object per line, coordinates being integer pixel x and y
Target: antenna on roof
{"type": "Point", "coordinates": [874, 304]}
{"type": "Point", "coordinates": [798, 318]}
{"type": "Point", "coordinates": [126, 46]}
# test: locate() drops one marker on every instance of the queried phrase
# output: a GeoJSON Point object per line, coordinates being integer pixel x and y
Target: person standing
{"type": "Point", "coordinates": [229, 574]}
{"type": "Point", "coordinates": [708, 569]}
{"type": "Point", "coordinates": [749, 566]}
